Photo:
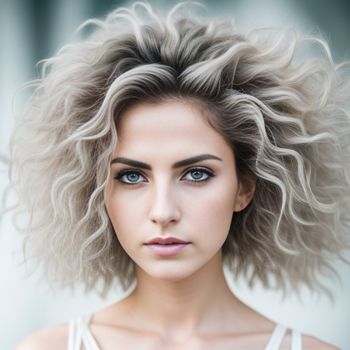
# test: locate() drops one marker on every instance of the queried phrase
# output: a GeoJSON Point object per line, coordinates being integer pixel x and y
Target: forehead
{"type": "Point", "coordinates": [178, 113]}
{"type": "Point", "coordinates": [167, 128]}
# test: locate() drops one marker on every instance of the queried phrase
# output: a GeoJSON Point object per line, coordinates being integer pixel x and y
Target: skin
{"type": "Point", "coordinates": [182, 301]}
{"type": "Point", "coordinates": [164, 202]}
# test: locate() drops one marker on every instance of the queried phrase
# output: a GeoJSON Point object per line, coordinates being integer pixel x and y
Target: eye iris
{"type": "Point", "coordinates": [197, 174]}
{"type": "Point", "coordinates": [132, 177]}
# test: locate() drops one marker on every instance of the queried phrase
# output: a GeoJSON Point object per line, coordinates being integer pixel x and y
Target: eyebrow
{"type": "Point", "coordinates": [181, 163]}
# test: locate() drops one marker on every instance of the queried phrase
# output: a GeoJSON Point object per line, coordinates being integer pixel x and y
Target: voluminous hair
{"type": "Point", "coordinates": [285, 115]}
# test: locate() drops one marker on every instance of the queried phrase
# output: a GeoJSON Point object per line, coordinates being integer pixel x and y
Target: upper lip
{"type": "Point", "coordinates": [160, 240]}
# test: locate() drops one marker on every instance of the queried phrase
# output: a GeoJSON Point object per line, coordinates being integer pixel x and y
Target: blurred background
{"type": "Point", "coordinates": [31, 30]}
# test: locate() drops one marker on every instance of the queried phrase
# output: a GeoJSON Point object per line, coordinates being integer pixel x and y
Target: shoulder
{"type": "Point", "coordinates": [311, 343]}
{"type": "Point", "coordinates": [50, 338]}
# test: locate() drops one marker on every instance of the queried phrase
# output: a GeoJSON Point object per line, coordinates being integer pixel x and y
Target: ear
{"type": "Point", "coordinates": [245, 193]}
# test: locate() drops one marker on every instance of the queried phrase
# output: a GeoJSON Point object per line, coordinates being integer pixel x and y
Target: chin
{"type": "Point", "coordinates": [169, 272]}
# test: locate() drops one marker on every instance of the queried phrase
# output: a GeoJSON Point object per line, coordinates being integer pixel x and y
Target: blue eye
{"type": "Point", "coordinates": [132, 177]}
{"type": "Point", "coordinates": [197, 174]}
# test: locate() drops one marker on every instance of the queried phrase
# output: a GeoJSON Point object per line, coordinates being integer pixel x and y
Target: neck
{"type": "Point", "coordinates": [177, 309]}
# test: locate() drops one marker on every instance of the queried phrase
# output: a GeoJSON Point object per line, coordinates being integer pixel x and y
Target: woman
{"type": "Point", "coordinates": [158, 152]}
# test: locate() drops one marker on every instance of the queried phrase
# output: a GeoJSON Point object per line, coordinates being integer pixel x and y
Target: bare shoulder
{"type": "Point", "coordinates": [311, 343]}
{"type": "Point", "coordinates": [49, 338]}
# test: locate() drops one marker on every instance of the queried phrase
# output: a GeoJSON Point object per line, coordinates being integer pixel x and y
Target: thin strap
{"type": "Point", "coordinates": [87, 337]}
{"type": "Point", "coordinates": [71, 335]}
{"type": "Point", "coordinates": [276, 337]}
{"type": "Point", "coordinates": [74, 336]}
{"type": "Point", "coordinates": [79, 333]}
{"type": "Point", "coordinates": [296, 340]}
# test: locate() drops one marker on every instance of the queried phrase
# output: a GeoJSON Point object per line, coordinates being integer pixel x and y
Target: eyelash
{"type": "Point", "coordinates": [130, 171]}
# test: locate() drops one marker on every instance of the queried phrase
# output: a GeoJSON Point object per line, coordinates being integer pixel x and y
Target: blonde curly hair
{"type": "Point", "coordinates": [285, 117]}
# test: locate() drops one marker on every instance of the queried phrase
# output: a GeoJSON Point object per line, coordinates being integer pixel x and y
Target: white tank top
{"type": "Point", "coordinates": [80, 335]}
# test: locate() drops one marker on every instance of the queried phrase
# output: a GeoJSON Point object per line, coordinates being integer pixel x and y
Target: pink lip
{"type": "Point", "coordinates": [167, 249]}
{"type": "Point", "coordinates": [161, 240]}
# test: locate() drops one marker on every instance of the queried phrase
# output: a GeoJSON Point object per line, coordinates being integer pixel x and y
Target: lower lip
{"type": "Point", "coordinates": [167, 250]}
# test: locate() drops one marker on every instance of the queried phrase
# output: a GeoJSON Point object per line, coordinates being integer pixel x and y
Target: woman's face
{"type": "Point", "coordinates": [156, 191]}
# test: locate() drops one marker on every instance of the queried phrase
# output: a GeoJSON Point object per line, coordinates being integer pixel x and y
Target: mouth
{"type": "Point", "coordinates": [167, 249]}
{"type": "Point", "coordinates": [166, 241]}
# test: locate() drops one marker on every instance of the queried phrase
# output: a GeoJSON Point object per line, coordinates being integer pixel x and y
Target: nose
{"type": "Point", "coordinates": [164, 209]}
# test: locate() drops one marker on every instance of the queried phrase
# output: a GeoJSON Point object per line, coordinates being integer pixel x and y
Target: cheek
{"type": "Point", "coordinates": [122, 215]}
{"type": "Point", "coordinates": [214, 213]}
